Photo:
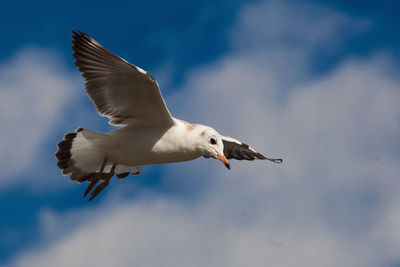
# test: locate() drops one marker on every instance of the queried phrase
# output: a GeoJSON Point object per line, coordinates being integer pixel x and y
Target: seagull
{"type": "Point", "coordinates": [147, 134]}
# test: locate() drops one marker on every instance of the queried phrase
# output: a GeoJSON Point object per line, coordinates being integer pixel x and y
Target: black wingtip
{"type": "Point", "coordinates": [228, 166]}
{"type": "Point", "coordinates": [75, 33]}
{"type": "Point", "coordinates": [275, 160]}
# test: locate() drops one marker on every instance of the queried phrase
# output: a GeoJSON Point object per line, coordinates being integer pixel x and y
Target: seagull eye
{"type": "Point", "coordinates": [212, 141]}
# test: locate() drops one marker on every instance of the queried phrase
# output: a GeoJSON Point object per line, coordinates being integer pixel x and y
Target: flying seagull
{"type": "Point", "coordinates": [130, 97]}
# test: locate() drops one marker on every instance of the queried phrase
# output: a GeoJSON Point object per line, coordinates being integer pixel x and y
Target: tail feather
{"type": "Point", "coordinates": [78, 154]}
{"type": "Point", "coordinates": [63, 154]}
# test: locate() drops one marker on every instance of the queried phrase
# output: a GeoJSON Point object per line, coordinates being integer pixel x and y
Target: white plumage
{"type": "Point", "coordinates": [130, 97]}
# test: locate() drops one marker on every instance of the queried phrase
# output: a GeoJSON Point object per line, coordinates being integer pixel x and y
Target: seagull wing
{"type": "Point", "coordinates": [124, 93]}
{"type": "Point", "coordinates": [234, 149]}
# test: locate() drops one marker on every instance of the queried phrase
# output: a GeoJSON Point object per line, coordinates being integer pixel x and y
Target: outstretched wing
{"type": "Point", "coordinates": [234, 149]}
{"type": "Point", "coordinates": [124, 93]}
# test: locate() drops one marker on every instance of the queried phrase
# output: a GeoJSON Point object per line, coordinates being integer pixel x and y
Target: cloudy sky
{"type": "Point", "coordinates": [313, 82]}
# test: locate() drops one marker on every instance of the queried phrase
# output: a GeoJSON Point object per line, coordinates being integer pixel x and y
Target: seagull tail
{"type": "Point", "coordinates": [79, 155]}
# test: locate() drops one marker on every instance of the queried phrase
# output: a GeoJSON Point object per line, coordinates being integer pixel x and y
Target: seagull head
{"type": "Point", "coordinates": [211, 144]}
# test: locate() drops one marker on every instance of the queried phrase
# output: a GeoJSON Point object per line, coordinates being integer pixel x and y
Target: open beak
{"type": "Point", "coordinates": [224, 160]}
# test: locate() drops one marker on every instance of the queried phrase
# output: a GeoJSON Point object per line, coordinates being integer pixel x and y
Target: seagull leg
{"type": "Point", "coordinates": [96, 178]}
{"type": "Point", "coordinates": [104, 184]}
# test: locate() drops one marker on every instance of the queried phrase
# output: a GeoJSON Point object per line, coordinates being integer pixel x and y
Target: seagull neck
{"type": "Point", "coordinates": [185, 136]}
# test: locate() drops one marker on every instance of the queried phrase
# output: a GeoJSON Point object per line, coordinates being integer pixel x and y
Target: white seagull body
{"type": "Point", "coordinates": [130, 97]}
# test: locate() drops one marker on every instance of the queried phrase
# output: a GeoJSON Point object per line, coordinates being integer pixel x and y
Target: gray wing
{"type": "Point", "coordinates": [234, 149]}
{"type": "Point", "coordinates": [124, 93]}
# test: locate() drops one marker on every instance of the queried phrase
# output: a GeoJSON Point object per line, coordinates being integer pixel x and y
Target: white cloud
{"type": "Point", "coordinates": [34, 90]}
{"type": "Point", "coordinates": [333, 202]}
{"type": "Point", "coordinates": [295, 25]}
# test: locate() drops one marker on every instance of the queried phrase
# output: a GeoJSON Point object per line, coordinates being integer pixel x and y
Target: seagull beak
{"type": "Point", "coordinates": [224, 160]}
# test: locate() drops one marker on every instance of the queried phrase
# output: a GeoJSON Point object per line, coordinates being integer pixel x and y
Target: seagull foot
{"type": "Point", "coordinates": [101, 186]}
{"type": "Point", "coordinates": [96, 179]}
{"type": "Point", "coordinates": [90, 186]}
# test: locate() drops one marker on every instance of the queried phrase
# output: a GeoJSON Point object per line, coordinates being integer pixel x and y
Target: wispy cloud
{"type": "Point", "coordinates": [35, 88]}
{"type": "Point", "coordinates": [289, 24]}
{"type": "Point", "coordinates": [333, 202]}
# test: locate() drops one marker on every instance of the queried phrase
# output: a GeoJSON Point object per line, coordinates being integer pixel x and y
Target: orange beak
{"type": "Point", "coordinates": [224, 160]}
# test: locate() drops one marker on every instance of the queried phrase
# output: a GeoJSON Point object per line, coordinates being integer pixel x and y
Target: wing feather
{"type": "Point", "coordinates": [124, 93]}
{"type": "Point", "coordinates": [234, 149]}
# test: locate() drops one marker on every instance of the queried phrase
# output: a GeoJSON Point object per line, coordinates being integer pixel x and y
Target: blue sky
{"type": "Point", "coordinates": [314, 82]}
